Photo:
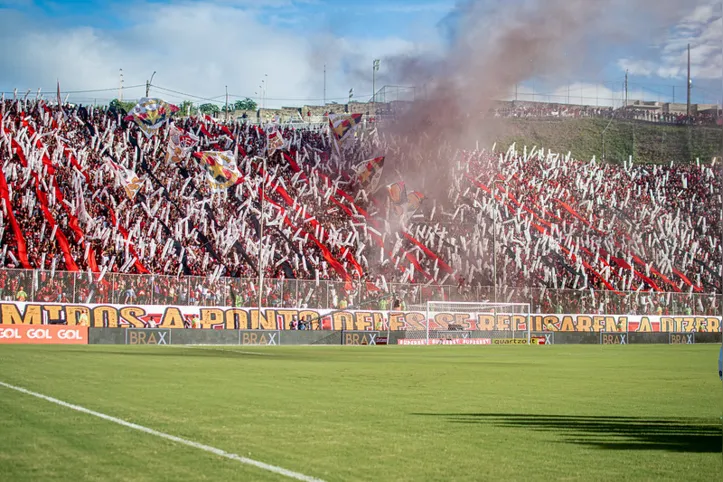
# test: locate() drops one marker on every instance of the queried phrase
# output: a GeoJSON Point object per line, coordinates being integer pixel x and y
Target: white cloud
{"type": "Point", "coordinates": [197, 48]}
{"type": "Point", "coordinates": [702, 29]}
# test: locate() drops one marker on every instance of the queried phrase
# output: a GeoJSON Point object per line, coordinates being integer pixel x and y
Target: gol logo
{"type": "Point", "coordinates": [33, 334]}
{"type": "Point", "coordinates": [10, 333]}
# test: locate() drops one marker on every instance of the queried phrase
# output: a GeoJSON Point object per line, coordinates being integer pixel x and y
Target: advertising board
{"type": "Point", "coordinates": [43, 334]}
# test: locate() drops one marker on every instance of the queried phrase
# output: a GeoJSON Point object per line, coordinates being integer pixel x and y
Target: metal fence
{"type": "Point", "coordinates": [116, 288]}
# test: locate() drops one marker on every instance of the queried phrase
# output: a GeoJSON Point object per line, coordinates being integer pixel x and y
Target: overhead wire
{"type": "Point", "coordinates": [88, 91]}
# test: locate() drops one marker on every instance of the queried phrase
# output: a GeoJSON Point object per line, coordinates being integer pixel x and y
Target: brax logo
{"type": "Point", "coordinates": [259, 338]}
{"type": "Point", "coordinates": [360, 338]}
{"type": "Point", "coordinates": [148, 337]}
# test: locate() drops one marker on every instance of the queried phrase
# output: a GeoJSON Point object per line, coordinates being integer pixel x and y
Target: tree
{"type": "Point", "coordinates": [246, 104]}
{"type": "Point", "coordinates": [186, 108]}
{"type": "Point", "coordinates": [118, 105]}
{"type": "Point", "coordinates": [209, 109]}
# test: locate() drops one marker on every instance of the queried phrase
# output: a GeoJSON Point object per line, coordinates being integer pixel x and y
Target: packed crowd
{"type": "Point", "coordinates": [553, 223]}
{"type": "Point", "coordinates": [535, 110]}
{"type": "Point", "coordinates": [540, 110]}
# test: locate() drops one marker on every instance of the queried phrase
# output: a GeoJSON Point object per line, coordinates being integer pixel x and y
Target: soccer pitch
{"type": "Point", "coordinates": [363, 413]}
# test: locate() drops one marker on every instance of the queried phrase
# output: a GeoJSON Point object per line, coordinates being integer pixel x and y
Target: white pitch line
{"type": "Point", "coordinates": [172, 438]}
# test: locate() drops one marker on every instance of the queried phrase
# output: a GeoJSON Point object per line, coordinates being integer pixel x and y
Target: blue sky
{"type": "Point", "coordinates": [200, 47]}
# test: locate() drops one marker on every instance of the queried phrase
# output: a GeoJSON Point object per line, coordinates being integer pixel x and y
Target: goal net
{"type": "Point", "coordinates": [464, 323]}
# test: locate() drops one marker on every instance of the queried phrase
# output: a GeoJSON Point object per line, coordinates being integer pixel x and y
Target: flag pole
{"type": "Point", "coordinates": [261, 236]}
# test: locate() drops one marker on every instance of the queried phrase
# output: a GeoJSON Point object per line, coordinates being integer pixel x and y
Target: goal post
{"type": "Point", "coordinates": [470, 323]}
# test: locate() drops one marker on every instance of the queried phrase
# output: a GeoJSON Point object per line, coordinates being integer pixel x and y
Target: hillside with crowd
{"type": "Point", "coordinates": [84, 190]}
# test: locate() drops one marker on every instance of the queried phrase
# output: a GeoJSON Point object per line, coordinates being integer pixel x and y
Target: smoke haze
{"type": "Point", "coordinates": [496, 44]}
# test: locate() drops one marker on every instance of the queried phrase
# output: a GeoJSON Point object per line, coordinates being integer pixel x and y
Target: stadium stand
{"type": "Point", "coordinates": [93, 210]}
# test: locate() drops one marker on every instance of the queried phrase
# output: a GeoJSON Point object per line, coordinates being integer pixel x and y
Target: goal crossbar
{"type": "Point", "coordinates": [470, 319]}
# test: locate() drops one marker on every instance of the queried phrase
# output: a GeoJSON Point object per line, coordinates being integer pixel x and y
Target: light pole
{"type": "Point", "coordinates": [375, 68]}
{"type": "Point", "coordinates": [120, 88]}
{"type": "Point", "coordinates": [261, 234]}
{"type": "Point", "coordinates": [148, 83]}
{"type": "Point", "coordinates": [266, 87]}
{"type": "Point", "coordinates": [263, 93]}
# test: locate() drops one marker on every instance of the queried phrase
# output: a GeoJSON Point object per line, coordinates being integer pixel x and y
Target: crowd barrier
{"type": "Point", "coordinates": [118, 288]}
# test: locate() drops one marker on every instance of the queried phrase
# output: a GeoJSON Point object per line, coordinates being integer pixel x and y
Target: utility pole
{"type": "Point", "coordinates": [227, 103]}
{"type": "Point", "coordinates": [375, 68]}
{"type": "Point", "coordinates": [120, 87]}
{"type": "Point", "coordinates": [148, 83]}
{"type": "Point", "coordinates": [324, 85]}
{"type": "Point", "coordinates": [626, 89]}
{"type": "Point", "coordinates": [690, 84]}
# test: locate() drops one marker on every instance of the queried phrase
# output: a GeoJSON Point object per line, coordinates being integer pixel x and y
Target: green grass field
{"type": "Point", "coordinates": [364, 413]}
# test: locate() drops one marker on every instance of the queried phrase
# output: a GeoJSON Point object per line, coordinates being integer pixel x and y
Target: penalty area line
{"type": "Point", "coordinates": [206, 448]}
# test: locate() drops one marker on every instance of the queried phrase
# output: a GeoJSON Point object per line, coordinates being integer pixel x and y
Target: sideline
{"type": "Point", "coordinates": [172, 438]}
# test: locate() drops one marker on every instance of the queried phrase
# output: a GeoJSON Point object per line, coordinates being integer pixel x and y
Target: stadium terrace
{"type": "Point", "coordinates": [101, 205]}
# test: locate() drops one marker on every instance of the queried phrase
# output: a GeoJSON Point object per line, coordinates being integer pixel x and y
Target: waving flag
{"type": "Point", "coordinates": [397, 194]}
{"type": "Point", "coordinates": [405, 205]}
{"type": "Point", "coordinates": [369, 173]}
{"type": "Point", "coordinates": [343, 125]}
{"type": "Point", "coordinates": [407, 210]}
{"type": "Point", "coordinates": [414, 201]}
{"type": "Point", "coordinates": [151, 114]}
{"type": "Point", "coordinates": [180, 144]}
{"type": "Point", "coordinates": [221, 169]}
{"type": "Point", "coordinates": [275, 142]}
{"type": "Point", "coordinates": [128, 179]}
